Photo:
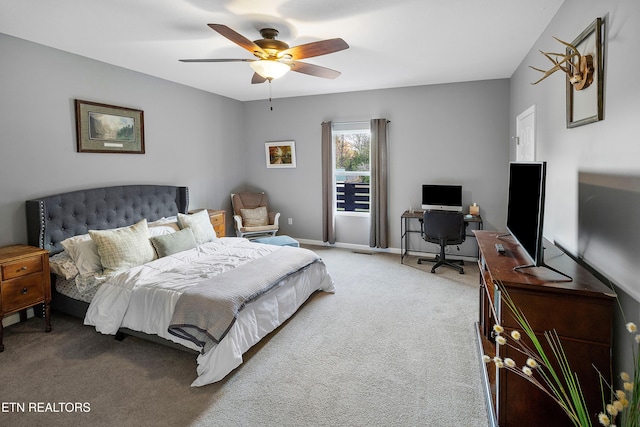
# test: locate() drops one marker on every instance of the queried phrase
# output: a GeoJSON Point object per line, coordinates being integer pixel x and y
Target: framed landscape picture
{"type": "Point", "coordinates": [102, 128]}
{"type": "Point", "coordinates": [280, 154]}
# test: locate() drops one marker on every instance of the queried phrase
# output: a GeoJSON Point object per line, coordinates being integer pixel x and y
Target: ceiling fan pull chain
{"type": "Point", "coordinates": [270, 103]}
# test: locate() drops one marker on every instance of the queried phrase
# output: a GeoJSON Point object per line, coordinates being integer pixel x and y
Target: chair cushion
{"type": "Point", "coordinates": [255, 217]}
{"type": "Point", "coordinates": [262, 228]}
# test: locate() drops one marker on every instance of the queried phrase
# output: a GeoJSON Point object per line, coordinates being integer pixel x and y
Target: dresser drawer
{"type": "Point", "coordinates": [21, 293]}
{"type": "Point", "coordinates": [22, 267]}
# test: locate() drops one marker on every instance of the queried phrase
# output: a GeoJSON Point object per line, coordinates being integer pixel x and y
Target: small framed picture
{"type": "Point", "coordinates": [102, 128]}
{"type": "Point", "coordinates": [280, 154]}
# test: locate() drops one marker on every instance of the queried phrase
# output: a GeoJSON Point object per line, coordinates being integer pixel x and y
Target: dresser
{"type": "Point", "coordinates": [24, 282]}
{"type": "Point", "coordinates": [217, 218]}
{"type": "Point", "coordinates": [580, 311]}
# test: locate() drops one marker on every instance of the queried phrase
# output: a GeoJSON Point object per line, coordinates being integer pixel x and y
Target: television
{"type": "Point", "coordinates": [525, 207]}
{"type": "Point", "coordinates": [442, 197]}
{"type": "Point", "coordinates": [525, 210]}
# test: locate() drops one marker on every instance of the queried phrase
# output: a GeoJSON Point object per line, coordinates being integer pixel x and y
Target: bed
{"type": "Point", "coordinates": [216, 297]}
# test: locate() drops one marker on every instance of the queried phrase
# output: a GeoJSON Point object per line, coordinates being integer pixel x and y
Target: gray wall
{"type": "Point", "coordinates": [453, 133]}
{"type": "Point", "coordinates": [215, 145]}
{"type": "Point", "coordinates": [606, 148]}
{"type": "Point", "coordinates": [192, 137]}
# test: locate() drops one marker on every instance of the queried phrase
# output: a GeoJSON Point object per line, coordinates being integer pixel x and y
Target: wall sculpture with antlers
{"type": "Point", "coordinates": [579, 68]}
{"type": "Point", "coordinates": [582, 62]}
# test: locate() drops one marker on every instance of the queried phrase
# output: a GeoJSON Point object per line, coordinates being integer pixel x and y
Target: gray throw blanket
{"type": "Point", "coordinates": [205, 313]}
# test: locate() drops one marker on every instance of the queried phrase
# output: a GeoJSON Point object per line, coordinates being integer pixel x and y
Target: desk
{"type": "Point", "coordinates": [405, 229]}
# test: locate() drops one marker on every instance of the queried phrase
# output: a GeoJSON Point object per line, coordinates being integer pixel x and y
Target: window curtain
{"type": "Point", "coordinates": [328, 218]}
{"type": "Point", "coordinates": [378, 236]}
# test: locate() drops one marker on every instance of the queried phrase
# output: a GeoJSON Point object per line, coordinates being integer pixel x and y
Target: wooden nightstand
{"type": "Point", "coordinates": [217, 218]}
{"type": "Point", "coordinates": [24, 282]}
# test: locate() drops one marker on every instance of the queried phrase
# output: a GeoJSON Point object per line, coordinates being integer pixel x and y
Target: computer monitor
{"type": "Point", "coordinates": [442, 197]}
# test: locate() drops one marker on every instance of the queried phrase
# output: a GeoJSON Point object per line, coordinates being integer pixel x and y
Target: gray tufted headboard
{"type": "Point", "coordinates": [52, 219]}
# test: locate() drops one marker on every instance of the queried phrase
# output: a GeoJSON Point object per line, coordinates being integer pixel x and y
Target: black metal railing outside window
{"type": "Point", "coordinates": [352, 196]}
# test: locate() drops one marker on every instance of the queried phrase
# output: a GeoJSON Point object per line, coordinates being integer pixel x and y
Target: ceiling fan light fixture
{"type": "Point", "coordinates": [270, 69]}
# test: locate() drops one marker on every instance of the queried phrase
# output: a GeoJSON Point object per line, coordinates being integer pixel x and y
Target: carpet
{"type": "Point", "coordinates": [394, 346]}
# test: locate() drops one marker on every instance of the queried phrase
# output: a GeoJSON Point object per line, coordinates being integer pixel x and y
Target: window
{"type": "Point", "coordinates": [352, 169]}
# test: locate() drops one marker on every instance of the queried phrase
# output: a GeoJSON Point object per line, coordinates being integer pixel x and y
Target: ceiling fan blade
{"type": "Point", "coordinates": [216, 60]}
{"type": "Point", "coordinates": [257, 78]}
{"type": "Point", "coordinates": [238, 39]}
{"type": "Point", "coordinates": [312, 49]}
{"type": "Point", "coordinates": [314, 70]}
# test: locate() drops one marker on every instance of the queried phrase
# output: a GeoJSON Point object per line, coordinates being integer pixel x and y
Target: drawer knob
{"type": "Point", "coordinates": [24, 291]}
{"type": "Point", "coordinates": [24, 268]}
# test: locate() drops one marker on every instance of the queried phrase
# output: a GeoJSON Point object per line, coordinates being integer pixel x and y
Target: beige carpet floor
{"type": "Point", "coordinates": [394, 346]}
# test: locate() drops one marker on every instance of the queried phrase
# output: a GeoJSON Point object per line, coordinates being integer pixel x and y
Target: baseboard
{"type": "Point", "coordinates": [368, 249]}
{"type": "Point", "coordinates": [352, 246]}
{"type": "Point", "coordinates": [14, 318]}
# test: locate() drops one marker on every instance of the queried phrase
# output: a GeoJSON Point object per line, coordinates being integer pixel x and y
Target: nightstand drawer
{"type": "Point", "coordinates": [21, 293]}
{"type": "Point", "coordinates": [21, 267]}
{"type": "Point", "coordinates": [217, 219]}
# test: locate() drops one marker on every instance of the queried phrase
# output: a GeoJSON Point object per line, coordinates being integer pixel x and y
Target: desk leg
{"type": "Point", "coordinates": [403, 234]}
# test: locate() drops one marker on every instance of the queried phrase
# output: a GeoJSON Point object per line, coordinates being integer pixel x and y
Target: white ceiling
{"type": "Point", "coordinates": [393, 43]}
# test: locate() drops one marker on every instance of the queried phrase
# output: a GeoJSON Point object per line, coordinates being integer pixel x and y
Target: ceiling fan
{"type": "Point", "coordinates": [275, 58]}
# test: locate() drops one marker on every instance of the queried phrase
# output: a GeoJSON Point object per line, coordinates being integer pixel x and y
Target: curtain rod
{"type": "Point", "coordinates": [352, 122]}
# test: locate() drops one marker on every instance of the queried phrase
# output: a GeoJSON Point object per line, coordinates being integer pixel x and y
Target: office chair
{"type": "Point", "coordinates": [444, 228]}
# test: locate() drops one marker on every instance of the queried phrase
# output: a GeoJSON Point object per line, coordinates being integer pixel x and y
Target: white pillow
{"type": "Point", "coordinates": [123, 248]}
{"type": "Point", "coordinates": [171, 221]}
{"type": "Point", "coordinates": [84, 253]}
{"type": "Point", "coordinates": [161, 230]}
{"type": "Point", "coordinates": [200, 224]}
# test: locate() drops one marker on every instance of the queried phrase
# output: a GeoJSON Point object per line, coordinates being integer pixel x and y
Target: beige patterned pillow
{"type": "Point", "coordinates": [200, 224]}
{"type": "Point", "coordinates": [62, 264]}
{"type": "Point", "coordinates": [254, 217]}
{"type": "Point", "coordinates": [124, 248]}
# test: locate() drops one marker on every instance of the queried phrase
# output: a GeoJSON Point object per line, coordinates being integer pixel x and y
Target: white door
{"type": "Point", "coordinates": [526, 135]}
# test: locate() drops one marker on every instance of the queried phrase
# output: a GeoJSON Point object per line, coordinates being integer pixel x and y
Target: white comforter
{"type": "Point", "coordinates": [143, 299]}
